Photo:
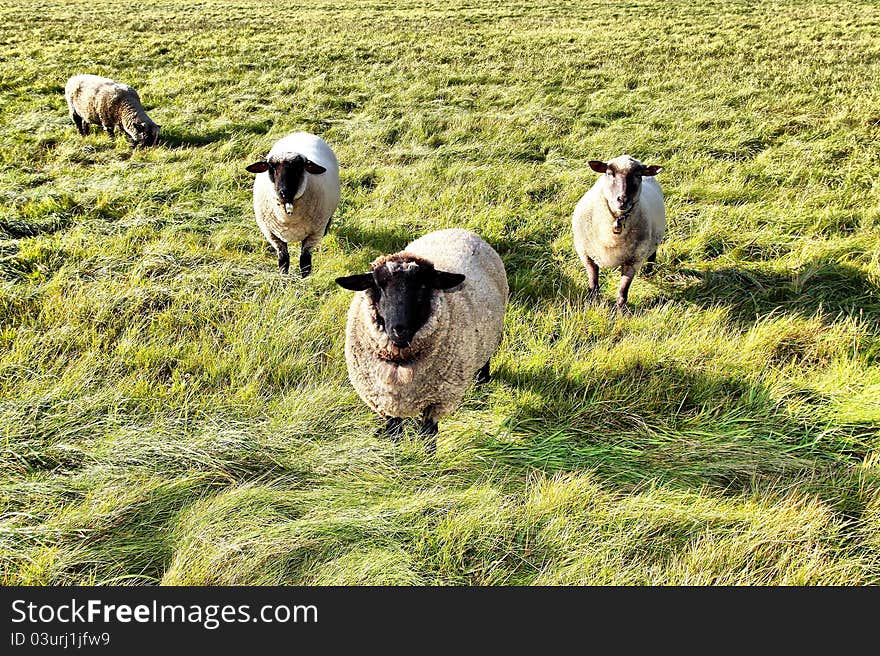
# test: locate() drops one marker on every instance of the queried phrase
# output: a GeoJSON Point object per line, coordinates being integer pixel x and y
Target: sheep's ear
{"type": "Point", "coordinates": [314, 169]}
{"type": "Point", "coordinates": [597, 166]}
{"type": "Point", "coordinates": [651, 170]}
{"type": "Point", "coordinates": [258, 167]}
{"type": "Point", "coordinates": [356, 283]}
{"type": "Point", "coordinates": [444, 280]}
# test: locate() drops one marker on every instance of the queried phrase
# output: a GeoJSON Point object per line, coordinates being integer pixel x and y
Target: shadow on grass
{"type": "Point", "coordinates": [124, 544]}
{"type": "Point", "coordinates": [670, 424]}
{"type": "Point", "coordinates": [174, 137]}
{"type": "Point", "coordinates": [827, 286]}
{"type": "Point", "coordinates": [20, 227]}
{"type": "Point", "coordinates": [533, 274]}
{"type": "Point", "coordinates": [384, 239]}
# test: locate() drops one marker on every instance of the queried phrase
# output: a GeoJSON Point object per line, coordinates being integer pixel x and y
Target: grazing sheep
{"type": "Point", "coordinates": [100, 100]}
{"type": "Point", "coordinates": [619, 221]}
{"type": "Point", "coordinates": [428, 321]}
{"type": "Point", "coordinates": [296, 191]}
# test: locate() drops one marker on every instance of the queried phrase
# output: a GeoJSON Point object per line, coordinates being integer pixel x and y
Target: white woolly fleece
{"type": "Point", "coordinates": [461, 334]}
{"type": "Point", "coordinates": [644, 229]}
{"type": "Point", "coordinates": [105, 102]}
{"type": "Point", "coordinates": [316, 199]}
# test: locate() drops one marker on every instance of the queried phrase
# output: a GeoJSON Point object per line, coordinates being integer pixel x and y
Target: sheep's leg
{"type": "Point", "coordinates": [305, 255]}
{"type": "Point", "coordinates": [283, 256]}
{"type": "Point", "coordinates": [648, 267]}
{"type": "Point", "coordinates": [77, 121]}
{"type": "Point", "coordinates": [392, 428]}
{"type": "Point", "coordinates": [483, 375]}
{"type": "Point", "coordinates": [429, 430]}
{"type": "Point", "coordinates": [85, 129]}
{"type": "Point", "coordinates": [627, 273]}
{"type": "Point", "coordinates": [592, 276]}
{"type": "Point", "coordinates": [278, 244]}
{"type": "Point", "coordinates": [305, 260]}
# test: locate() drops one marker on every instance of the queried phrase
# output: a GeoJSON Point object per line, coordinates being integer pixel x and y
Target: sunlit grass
{"type": "Point", "coordinates": [174, 411]}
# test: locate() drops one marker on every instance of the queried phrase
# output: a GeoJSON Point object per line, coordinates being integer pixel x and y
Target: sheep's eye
{"type": "Point", "coordinates": [609, 172]}
{"type": "Point", "coordinates": [381, 322]}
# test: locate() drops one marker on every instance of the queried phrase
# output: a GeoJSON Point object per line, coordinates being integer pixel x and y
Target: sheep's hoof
{"type": "Point", "coordinates": [429, 430]}
{"type": "Point", "coordinates": [283, 263]}
{"type": "Point", "coordinates": [392, 428]}
{"type": "Point", "coordinates": [305, 263]}
{"type": "Point", "coordinates": [483, 375]}
{"type": "Point", "coordinates": [650, 264]}
{"type": "Point", "coordinates": [622, 309]}
{"type": "Point", "coordinates": [593, 296]}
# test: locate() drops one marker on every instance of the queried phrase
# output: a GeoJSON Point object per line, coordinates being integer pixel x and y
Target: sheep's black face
{"type": "Point", "coordinates": [288, 177]}
{"type": "Point", "coordinates": [404, 298]}
{"type": "Point", "coordinates": [151, 137]}
{"type": "Point", "coordinates": [401, 289]}
{"type": "Point", "coordinates": [146, 135]}
{"type": "Point", "coordinates": [622, 185]}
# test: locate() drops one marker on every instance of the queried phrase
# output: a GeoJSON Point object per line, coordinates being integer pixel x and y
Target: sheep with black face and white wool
{"type": "Point", "coordinates": [425, 324]}
{"type": "Point", "coordinates": [296, 191]}
{"type": "Point", "coordinates": [110, 104]}
{"type": "Point", "coordinates": [620, 221]}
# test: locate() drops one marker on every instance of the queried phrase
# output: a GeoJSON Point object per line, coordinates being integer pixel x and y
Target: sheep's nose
{"type": "Point", "coordinates": [621, 199]}
{"type": "Point", "coordinates": [399, 333]}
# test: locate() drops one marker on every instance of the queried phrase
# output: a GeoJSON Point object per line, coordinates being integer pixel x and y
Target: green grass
{"type": "Point", "coordinates": [174, 411]}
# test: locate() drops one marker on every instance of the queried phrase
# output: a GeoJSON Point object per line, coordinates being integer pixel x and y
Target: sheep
{"type": "Point", "coordinates": [427, 324]}
{"type": "Point", "coordinates": [296, 191]}
{"type": "Point", "coordinates": [110, 104]}
{"type": "Point", "coordinates": [619, 222]}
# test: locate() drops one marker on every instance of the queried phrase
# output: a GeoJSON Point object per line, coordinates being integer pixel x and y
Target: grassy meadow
{"type": "Point", "coordinates": [173, 411]}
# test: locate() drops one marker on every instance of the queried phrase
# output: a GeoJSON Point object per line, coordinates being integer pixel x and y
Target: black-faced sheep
{"type": "Point", "coordinates": [424, 326]}
{"type": "Point", "coordinates": [296, 191]}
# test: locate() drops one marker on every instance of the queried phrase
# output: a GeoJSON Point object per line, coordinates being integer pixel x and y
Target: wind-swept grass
{"type": "Point", "coordinates": [174, 411]}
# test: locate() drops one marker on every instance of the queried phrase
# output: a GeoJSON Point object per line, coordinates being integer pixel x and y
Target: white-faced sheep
{"type": "Point", "coordinates": [425, 325]}
{"type": "Point", "coordinates": [110, 104]}
{"type": "Point", "coordinates": [296, 191]}
{"type": "Point", "coordinates": [619, 221]}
